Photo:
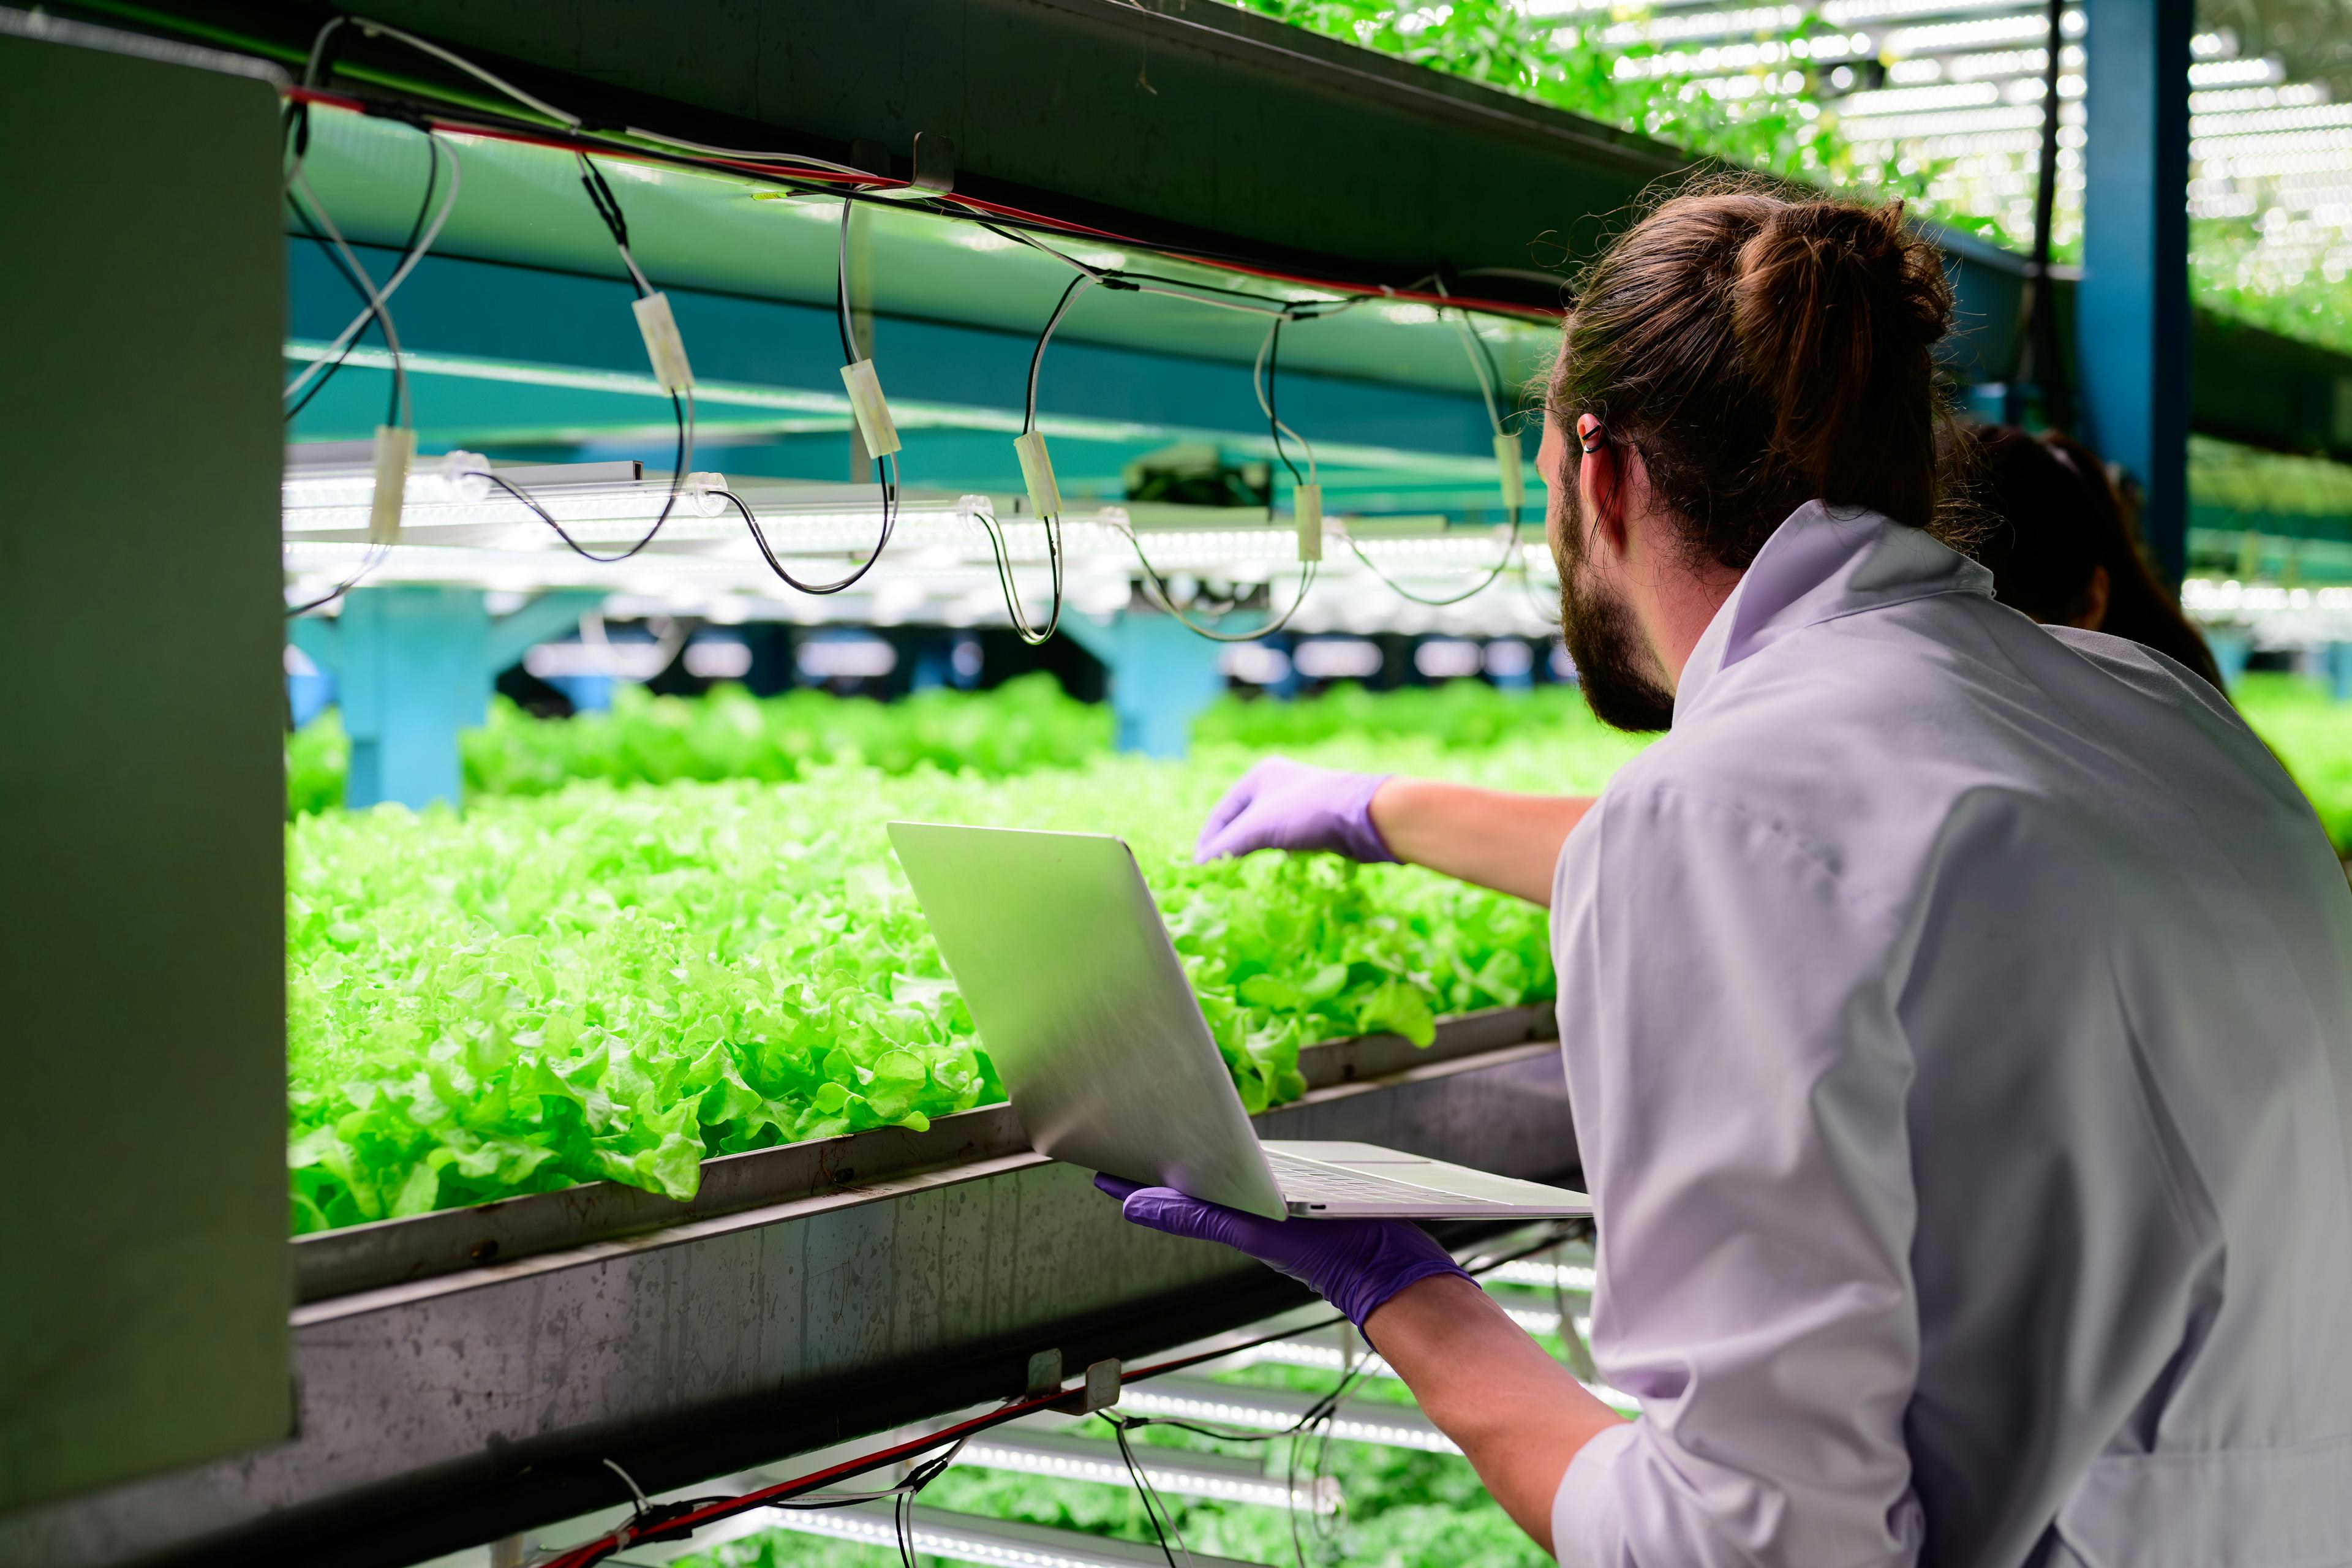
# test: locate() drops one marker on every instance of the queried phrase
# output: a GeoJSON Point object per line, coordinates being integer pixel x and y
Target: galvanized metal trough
{"type": "Point", "coordinates": [462, 1375]}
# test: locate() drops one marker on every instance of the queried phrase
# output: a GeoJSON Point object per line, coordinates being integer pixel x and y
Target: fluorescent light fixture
{"type": "Point", "coordinates": [1447, 658]}
{"type": "Point", "coordinates": [616, 660]}
{"type": "Point", "coordinates": [718, 658]}
{"type": "Point", "coordinates": [1255, 664]}
{"type": "Point", "coordinates": [962, 1538]}
{"type": "Point", "coordinates": [1509, 659]}
{"type": "Point", "coordinates": [1337, 659]}
{"type": "Point", "coordinates": [1223, 1477]}
{"type": "Point", "coordinates": [2278, 617]}
{"type": "Point", "coordinates": [832, 657]}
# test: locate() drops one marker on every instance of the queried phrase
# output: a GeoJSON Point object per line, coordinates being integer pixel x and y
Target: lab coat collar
{"type": "Point", "coordinates": [1822, 564]}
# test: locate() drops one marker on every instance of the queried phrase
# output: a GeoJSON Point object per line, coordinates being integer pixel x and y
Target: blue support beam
{"type": "Point", "coordinates": [415, 672]}
{"type": "Point", "coordinates": [2132, 316]}
{"type": "Point", "coordinates": [1161, 677]}
{"type": "Point", "coordinates": [413, 667]}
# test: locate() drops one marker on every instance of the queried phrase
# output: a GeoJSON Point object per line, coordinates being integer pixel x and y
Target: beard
{"type": "Point", "coordinates": [1599, 629]}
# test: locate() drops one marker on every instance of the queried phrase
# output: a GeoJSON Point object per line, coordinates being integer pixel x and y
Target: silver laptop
{"type": "Point", "coordinates": [1060, 953]}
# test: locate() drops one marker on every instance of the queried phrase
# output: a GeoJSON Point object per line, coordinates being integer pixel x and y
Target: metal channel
{"type": "Point", "coordinates": [858, 1167]}
{"type": "Point", "coordinates": [797, 1311]}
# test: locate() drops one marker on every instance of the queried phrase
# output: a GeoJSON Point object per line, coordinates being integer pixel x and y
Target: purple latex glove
{"type": "Point", "coordinates": [1283, 804]}
{"type": "Point", "coordinates": [1354, 1264]}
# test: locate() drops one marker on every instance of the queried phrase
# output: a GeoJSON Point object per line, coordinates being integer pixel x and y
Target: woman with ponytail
{"type": "Point", "coordinates": [1955, 1009]}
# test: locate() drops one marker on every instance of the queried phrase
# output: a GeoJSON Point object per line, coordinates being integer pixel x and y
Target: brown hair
{"type": "Point", "coordinates": [2054, 519]}
{"type": "Point", "coordinates": [1759, 350]}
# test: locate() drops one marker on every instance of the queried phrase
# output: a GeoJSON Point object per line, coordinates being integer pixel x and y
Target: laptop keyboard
{"type": "Point", "coordinates": [1303, 1183]}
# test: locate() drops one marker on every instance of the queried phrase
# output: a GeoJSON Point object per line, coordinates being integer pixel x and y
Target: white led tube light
{"type": "Point", "coordinates": [962, 1538]}
{"type": "Point", "coordinates": [1274, 1409]}
{"type": "Point", "coordinates": [1223, 1477]}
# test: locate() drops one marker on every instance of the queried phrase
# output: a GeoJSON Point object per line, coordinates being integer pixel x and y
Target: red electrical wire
{"type": "Point", "coordinates": [603, 1546]}
{"type": "Point", "coordinates": [883, 183]}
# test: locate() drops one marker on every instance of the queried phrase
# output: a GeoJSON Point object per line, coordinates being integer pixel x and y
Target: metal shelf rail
{"type": "Point", "coordinates": [464, 1375]}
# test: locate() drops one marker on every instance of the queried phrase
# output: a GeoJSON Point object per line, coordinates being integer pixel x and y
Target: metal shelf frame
{"type": "Point", "coordinates": [463, 1375]}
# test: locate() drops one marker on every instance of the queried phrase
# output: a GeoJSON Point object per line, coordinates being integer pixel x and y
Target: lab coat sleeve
{"type": "Point", "coordinates": [1739, 1079]}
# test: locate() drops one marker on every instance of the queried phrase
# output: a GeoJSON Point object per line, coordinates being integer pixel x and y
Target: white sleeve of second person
{"type": "Point", "coordinates": [1739, 1079]}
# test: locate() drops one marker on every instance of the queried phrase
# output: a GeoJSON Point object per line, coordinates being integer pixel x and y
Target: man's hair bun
{"type": "Point", "coordinates": [1762, 350]}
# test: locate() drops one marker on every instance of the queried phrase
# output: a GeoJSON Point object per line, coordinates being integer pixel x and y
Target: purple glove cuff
{"type": "Point", "coordinates": [1359, 1296]}
{"type": "Point", "coordinates": [1357, 1265]}
{"type": "Point", "coordinates": [1352, 826]}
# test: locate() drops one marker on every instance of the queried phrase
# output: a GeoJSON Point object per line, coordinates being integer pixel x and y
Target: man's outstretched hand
{"type": "Point", "coordinates": [1354, 1264]}
{"type": "Point", "coordinates": [1283, 804]}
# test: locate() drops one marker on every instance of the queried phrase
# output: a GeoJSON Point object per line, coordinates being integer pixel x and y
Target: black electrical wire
{"type": "Point", "coordinates": [767, 554]}
{"type": "Point", "coordinates": [677, 413]}
{"type": "Point", "coordinates": [885, 466]}
{"type": "Point", "coordinates": [1030, 635]}
{"type": "Point", "coordinates": [1154, 1506]}
{"type": "Point", "coordinates": [608, 207]}
{"type": "Point", "coordinates": [1037, 354]}
{"type": "Point", "coordinates": [360, 286]}
{"type": "Point", "coordinates": [849, 355]}
{"type": "Point", "coordinates": [1510, 556]}
{"type": "Point", "coordinates": [1273, 422]}
{"type": "Point", "coordinates": [375, 558]}
{"type": "Point", "coordinates": [408, 249]}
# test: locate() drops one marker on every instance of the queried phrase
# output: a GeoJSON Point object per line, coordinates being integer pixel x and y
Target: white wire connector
{"type": "Point", "coordinates": [468, 473]}
{"type": "Point", "coordinates": [1037, 473]}
{"type": "Point", "coordinates": [394, 446]}
{"type": "Point", "coordinates": [865, 401]}
{"type": "Point", "coordinates": [1307, 506]}
{"type": "Point", "coordinates": [663, 345]}
{"type": "Point", "coordinates": [708, 489]}
{"type": "Point", "coordinates": [1506, 459]}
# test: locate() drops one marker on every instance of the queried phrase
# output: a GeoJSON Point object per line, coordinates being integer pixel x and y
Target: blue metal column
{"type": "Point", "coordinates": [414, 666]}
{"type": "Point", "coordinates": [2132, 311]}
{"type": "Point", "coordinates": [1161, 677]}
{"type": "Point", "coordinates": [415, 672]}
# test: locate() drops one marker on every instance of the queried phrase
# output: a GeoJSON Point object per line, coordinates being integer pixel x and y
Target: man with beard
{"type": "Point", "coordinates": [1955, 1010]}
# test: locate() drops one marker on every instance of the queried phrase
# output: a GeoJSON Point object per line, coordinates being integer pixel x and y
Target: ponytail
{"type": "Point", "coordinates": [1760, 352]}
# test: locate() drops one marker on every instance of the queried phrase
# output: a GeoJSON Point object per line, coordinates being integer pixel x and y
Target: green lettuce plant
{"type": "Point", "coordinates": [615, 984]}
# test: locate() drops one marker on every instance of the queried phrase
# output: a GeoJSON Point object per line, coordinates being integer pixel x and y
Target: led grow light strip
{"type": "Point", "coordinates": [1275, 1410]}
{"type": "Point", "coordinates": [1169, 1470]}
{"type": "Point", "coordinates": [964, 1538]}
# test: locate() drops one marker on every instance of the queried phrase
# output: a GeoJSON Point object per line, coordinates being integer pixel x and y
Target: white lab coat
{"type": "Point", "coordinates": [1957, 1023]}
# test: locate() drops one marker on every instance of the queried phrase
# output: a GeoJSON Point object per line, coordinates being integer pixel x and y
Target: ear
{"type": "Point", "coordinates": [2091, 609]}
{"type": "Point", "coordinates": [1600, 479]}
